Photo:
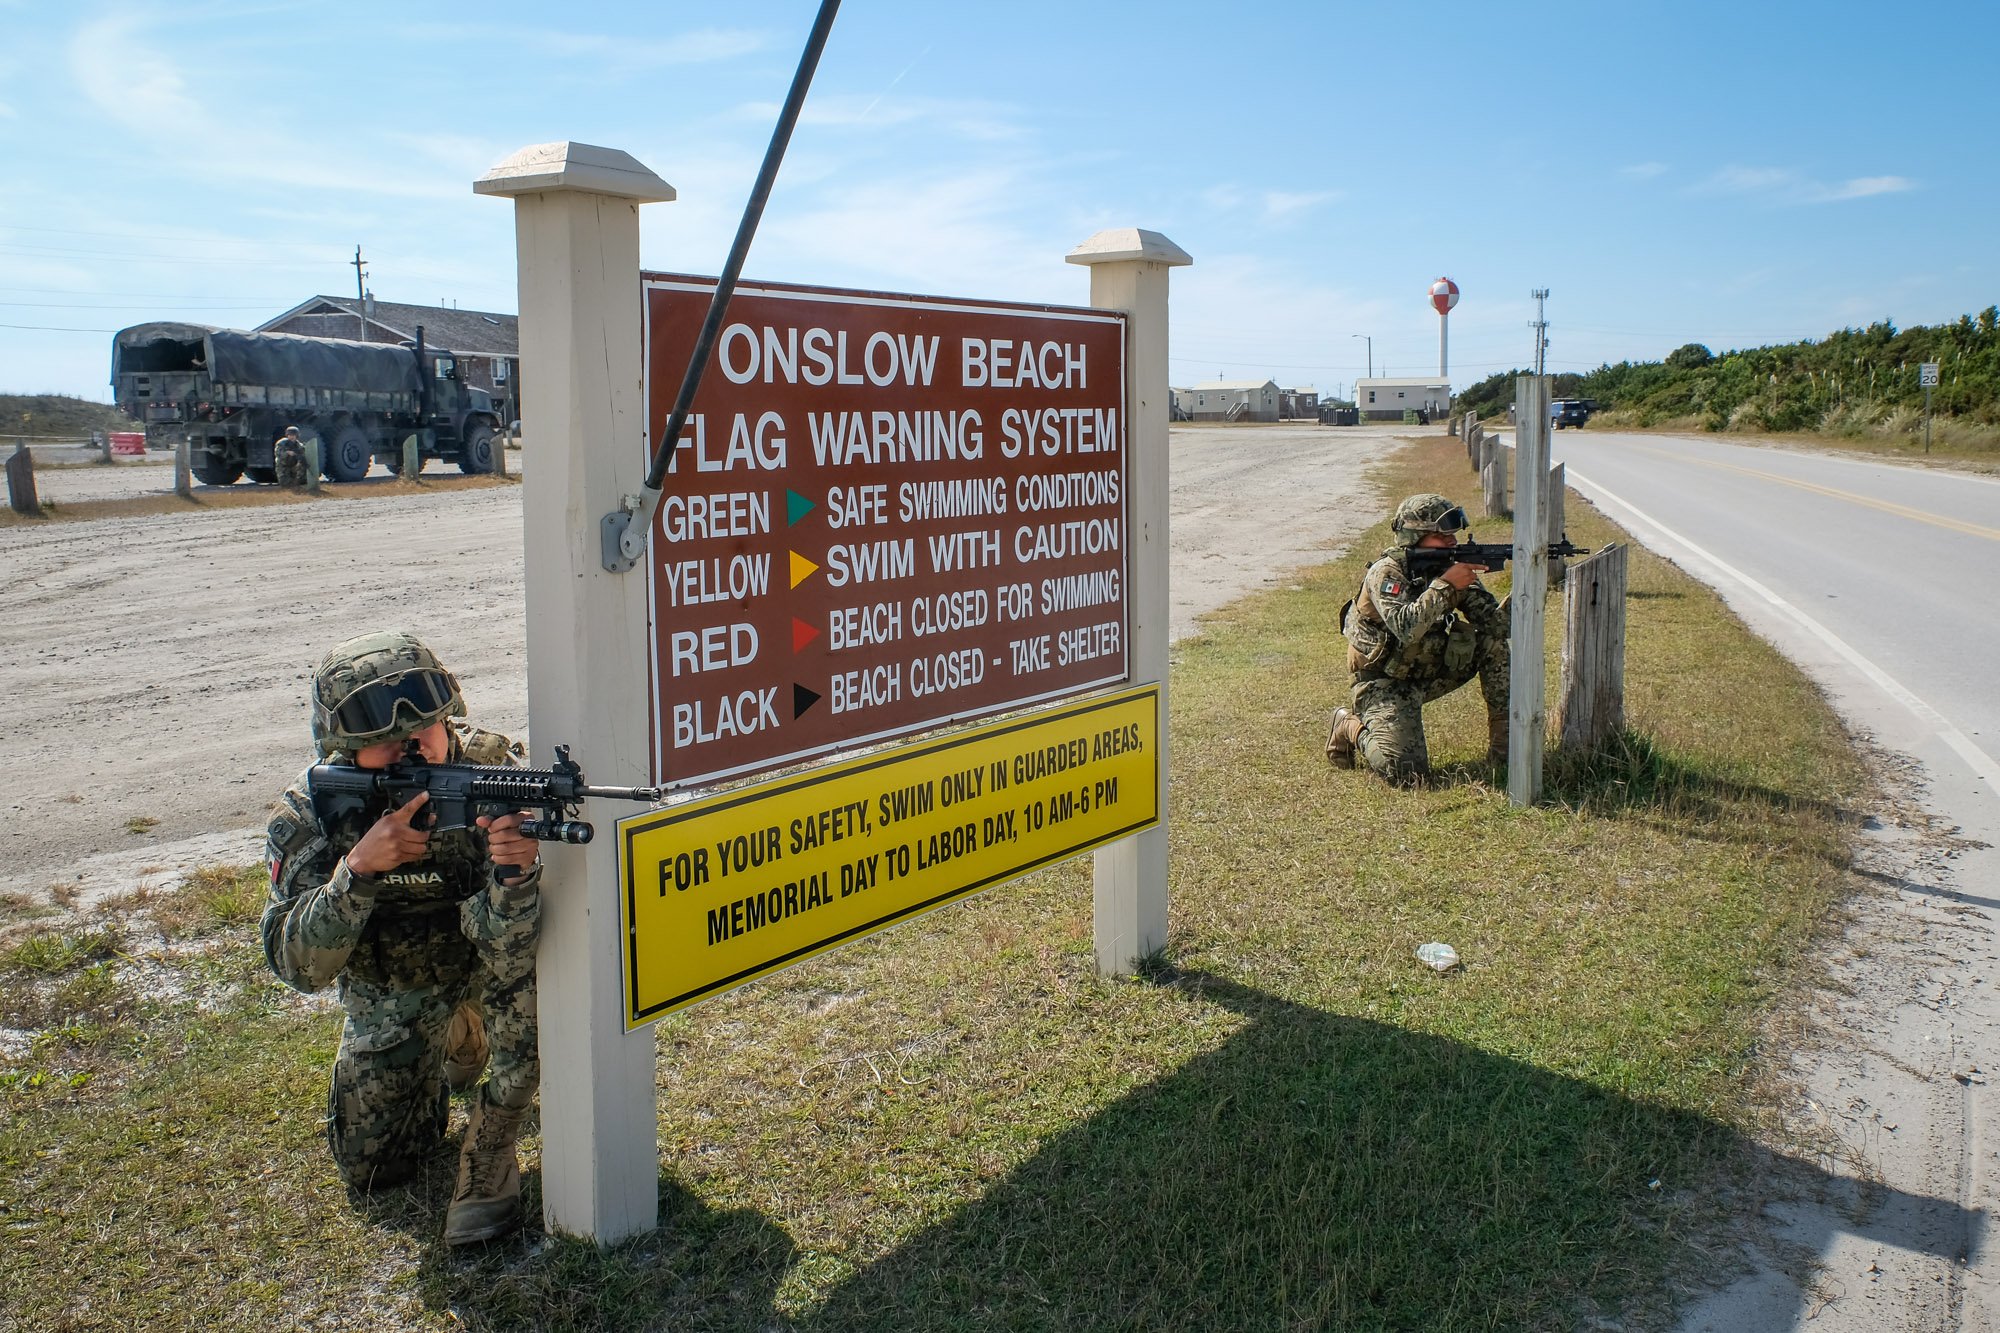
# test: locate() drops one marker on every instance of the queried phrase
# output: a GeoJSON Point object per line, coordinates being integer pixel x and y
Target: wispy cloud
{"type": "Point", "coordinates": [1269, 205]}
{"type": "Point", "coordinates": [134, 80]}
{"type": "Point", "coordinates": [1284, 203]}
{"type": "Point", "coordinates": [1644, 171]}
{"type": "Point", "coordinates": [991, 122]}
{"type": "Point", "coordinates": [608, 56]}
{"type": "Point", "coordinates": [1783, 185]}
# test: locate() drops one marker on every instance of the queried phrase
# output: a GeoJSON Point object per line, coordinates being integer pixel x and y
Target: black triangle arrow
{"type": "Point", "coordinates": [802, 700]}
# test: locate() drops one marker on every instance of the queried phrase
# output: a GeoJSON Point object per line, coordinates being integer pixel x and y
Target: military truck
{"type": "Point", "coordinates": [231, 394]}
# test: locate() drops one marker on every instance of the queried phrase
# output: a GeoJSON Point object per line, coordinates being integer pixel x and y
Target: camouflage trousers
{"type": "Point", "coordinates": [291, 461]}
{"type": "Point", "coordinates": [1391, 712]}
{"type": "Point", "coordinates": [387, 1106]}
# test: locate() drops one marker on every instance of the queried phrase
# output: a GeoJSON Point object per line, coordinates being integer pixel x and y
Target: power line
{"type": "Point", "coordinates": [55, 328]}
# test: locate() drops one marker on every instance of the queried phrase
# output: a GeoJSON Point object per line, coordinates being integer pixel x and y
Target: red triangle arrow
{"type": "Point", "coordinates": [802, 633]}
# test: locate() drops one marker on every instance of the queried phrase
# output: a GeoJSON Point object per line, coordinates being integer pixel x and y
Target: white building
{"type": "Point", "coordinates": [1387, 399]}
{"type": "Point", "coordinates": [1229, 400]}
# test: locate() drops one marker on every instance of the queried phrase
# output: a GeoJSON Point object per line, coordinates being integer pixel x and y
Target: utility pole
{"type": "Point", "coordinates": [1371, 351]}
{"type": "Point", "coordinates": [1541, 328]}
{"type": "Point", "coordinates": [361, 293]}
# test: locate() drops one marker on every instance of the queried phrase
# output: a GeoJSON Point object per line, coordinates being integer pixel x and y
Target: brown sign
{"type": "Point", "coordinates": [885, 513]}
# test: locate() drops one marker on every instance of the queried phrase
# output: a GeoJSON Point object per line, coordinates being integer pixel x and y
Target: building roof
{"type": "Point", "coordinates": [476, 331]}
{"type": "Point", "coordinates": [1237, 384]}
{"type": "Point", "coordinates": [1407, 381]}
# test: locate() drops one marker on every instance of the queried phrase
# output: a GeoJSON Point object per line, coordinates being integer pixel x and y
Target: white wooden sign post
{"type": "Point", "coordinates": [576, 219]}
{"type": "Point", "coordinates": [1128, 272]}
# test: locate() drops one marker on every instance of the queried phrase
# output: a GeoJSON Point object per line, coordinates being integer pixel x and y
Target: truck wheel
{"type": "Point", "coordinates": [213, 469]}
{"type": "Point", "coordinates": [263, 476]}
{"type": "Point", "coordinates": [475, 457]}
{"type": "Point", "coordinates": [347, 454]}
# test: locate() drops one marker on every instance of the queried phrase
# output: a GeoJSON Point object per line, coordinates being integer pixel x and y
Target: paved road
{"type": "Point", "coordinates": [1874, 578]}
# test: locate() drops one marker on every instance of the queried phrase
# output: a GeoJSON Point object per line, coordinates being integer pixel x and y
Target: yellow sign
{"type": "Point", "coordinates": [719, 891]}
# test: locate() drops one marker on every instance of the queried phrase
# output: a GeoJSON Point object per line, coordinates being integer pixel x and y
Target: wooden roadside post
{"type": "Point", "coordinates": [1590, 704]}
{"type": "Point", "coordinates": [1493, 478]}
{"type": "Point", "coordinates": [576, 222]}
{"type": "Point", "coordinates": [413, 457]}
{"type": "Point", "coordinates": [313, 462]}
{"type": "Point", "coordinates": [1526, 718]}
{"type": "Point", "coordinates": [21, 495]}
{"type": "Point", "coordinates": [1128, 271]}
{"type": "Point", "coordinates": [183, 467]}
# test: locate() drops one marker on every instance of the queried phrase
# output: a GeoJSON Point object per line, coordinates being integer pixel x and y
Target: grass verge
{"type": "Point", "coordinates": [247, 496]}
{"type": "Point", "coordinates": [1289, 1123]}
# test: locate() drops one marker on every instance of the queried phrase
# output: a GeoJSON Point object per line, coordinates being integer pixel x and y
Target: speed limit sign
{"type": "Point", "coordinates": [1927, 375]}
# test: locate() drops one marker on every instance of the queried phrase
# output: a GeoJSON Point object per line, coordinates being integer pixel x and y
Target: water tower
{"type": "Point", "coordinates": [1444, 295]}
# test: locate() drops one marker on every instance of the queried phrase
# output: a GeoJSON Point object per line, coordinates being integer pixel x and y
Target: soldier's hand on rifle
{"type": "Point", "coordinates": [504, 844]}
{"type": "Point", "coordinates": [1461, 576]}
{"type": "Point", "coordinates": [391, 841]}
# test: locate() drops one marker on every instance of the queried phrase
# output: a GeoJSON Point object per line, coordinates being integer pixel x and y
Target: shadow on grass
{"type": "Point", "coordinates": [1313, 1171]}
{"type": "Point", "coordinates": [1630, 774]}
{"type": "Point", "coordinates": [1319, 1171]}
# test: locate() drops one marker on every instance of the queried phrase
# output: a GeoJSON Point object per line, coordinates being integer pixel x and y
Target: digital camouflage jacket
{"type": "Point", "coordinates": [1403, 629]}
{"type": "Point", "coordinates": [422, 924]}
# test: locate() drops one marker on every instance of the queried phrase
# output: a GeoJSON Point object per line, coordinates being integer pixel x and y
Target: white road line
{"type": "Point", "coordinates": [1977, 759]}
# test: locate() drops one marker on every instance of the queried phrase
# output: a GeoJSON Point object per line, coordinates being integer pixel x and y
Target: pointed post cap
{"type": "Point", "coordinates": [1124, 243]}
{"type": "Point", "coordinates": [586, 168]}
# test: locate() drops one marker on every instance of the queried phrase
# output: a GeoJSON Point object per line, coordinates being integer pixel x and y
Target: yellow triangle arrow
{"type": "Point", "coordinates": [802, 569]}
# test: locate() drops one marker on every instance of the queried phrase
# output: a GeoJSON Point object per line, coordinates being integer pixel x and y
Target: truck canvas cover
{"type": "Point", "coordinates": [231, 357]}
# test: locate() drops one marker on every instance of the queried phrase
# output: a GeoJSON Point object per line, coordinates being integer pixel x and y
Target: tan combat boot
{"type": "Point", "coordinates": [465, 1046]}
{"type": "Point", "coordinates": [1341, 737]}
{"type": "Point", "coordinates": [487, 1202]}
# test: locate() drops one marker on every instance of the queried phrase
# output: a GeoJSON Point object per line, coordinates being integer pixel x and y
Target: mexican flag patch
{"type": "Point", "coordinates": [1392, 586]}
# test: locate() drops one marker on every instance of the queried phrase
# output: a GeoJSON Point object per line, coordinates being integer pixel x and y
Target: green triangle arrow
{"type": "Point", "coordinates": [796, 508]}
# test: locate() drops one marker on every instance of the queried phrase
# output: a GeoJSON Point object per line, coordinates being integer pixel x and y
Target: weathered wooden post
{"type": "Point", "coordinates": [101, 441]}
{"type": "Point", "coordinates": [1590, 706]}
{"type": "Point", "coordinates": [413, 457]}
{"type": "Point", "coordinates": [1526, 717]}
{"type": "Point", "coordinates": [1493, 477]}
{"type": "Point", "coordinates": [1552, 529]}
{"type": "Point", "coordinates": [183, 467]}
{"type": "Point", "coordinates": [21, 482]}
{"type": "Point", "coordinates": [313, 463]}
{"type": "Point", "coordinates": [1129, 267]}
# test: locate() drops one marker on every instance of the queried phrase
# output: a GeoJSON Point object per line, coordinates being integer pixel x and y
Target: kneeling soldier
{"type": "Point", "coordinates": [429, 949]}
{"type": "Point", "coordinates": [1411, 641]}
{"type": "Point", "coordinates": [289, 453]}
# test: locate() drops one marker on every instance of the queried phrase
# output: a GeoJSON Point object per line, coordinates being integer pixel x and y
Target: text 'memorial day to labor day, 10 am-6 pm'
{"type": "Point", "coordinates": [883, 514]}
{"type": "Point", "coordinates": [728, 888]}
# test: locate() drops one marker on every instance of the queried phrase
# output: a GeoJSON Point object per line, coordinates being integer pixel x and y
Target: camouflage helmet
{"type": "Point", "coordinates": [379, 687]}
{"type": "Point", "coordinates": [1421, 514]}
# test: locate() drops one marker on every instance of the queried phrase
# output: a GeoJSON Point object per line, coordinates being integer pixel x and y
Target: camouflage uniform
{"type": "Point", "coordinates": [403, 949]}
{"type": "Point", "coordinates": [1408, 645]}
{"type": "Point", "coordinates": [290, 455]}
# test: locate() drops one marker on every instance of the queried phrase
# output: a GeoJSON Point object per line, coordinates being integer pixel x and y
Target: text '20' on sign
{"type": "Point", "coordinates": [727, 888]}
{"type": "Point", "coordinates": [884, 513]}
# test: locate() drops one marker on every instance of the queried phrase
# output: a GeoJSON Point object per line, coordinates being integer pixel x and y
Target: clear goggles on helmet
{"type": "Point", "coordinates": [374, 708]}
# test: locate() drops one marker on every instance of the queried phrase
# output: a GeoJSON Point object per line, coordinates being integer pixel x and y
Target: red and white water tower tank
{"type": "Point", "coordinates": [1444, 295]}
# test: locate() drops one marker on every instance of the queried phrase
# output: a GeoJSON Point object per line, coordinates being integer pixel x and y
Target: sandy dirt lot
{"type": "Point", "coordinates": [155, 666]}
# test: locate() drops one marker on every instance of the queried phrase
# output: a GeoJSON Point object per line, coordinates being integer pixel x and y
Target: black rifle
{"type": "Point", "coordinates": [1427, 562]}
{"type": "Point", "coordinates": [461, 793]}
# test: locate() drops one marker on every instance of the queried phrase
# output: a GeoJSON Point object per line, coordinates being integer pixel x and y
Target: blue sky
{"type": "Point", "coordinates": [1732, 174]}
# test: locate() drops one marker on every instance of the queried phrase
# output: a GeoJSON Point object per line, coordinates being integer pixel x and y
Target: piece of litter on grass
{"type": "Point", "coordinates": [1437, 957]}
{"type": "Point", "coordinates": [1653, 1184]}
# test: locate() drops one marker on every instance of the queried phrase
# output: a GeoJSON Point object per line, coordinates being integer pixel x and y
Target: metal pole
{"type": "Point", "coordinates": [624, 532]}
{"type": "Point", "coordinates": [1927, 418]}
{"type": "Point", "coordinates": [360, 294]}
